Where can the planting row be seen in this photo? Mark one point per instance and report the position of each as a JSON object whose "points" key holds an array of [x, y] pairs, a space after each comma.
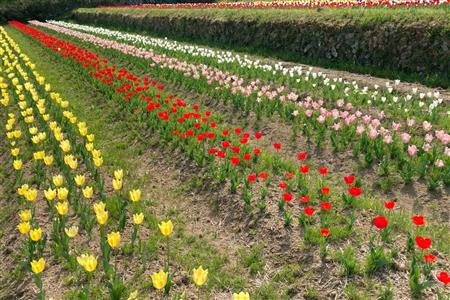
{"points": [[325, 213], [408, 150], [64, 208]]}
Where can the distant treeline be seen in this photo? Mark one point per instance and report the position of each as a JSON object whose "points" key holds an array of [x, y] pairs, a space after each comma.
{"points": [[44, 9]]}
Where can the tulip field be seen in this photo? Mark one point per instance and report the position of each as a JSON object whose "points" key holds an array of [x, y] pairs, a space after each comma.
{"points": [[136, 166]]}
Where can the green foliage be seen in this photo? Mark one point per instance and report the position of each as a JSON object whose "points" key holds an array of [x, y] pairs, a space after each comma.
{"points": [[347, 259], [253, 258]]}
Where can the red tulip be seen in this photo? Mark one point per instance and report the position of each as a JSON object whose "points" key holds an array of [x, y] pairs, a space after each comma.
{"points": [[289, 175], [226, 144], [302, 156], [212, 124], [429, 258], [325, 190], [287, 197], [423, 243], [237, 131], [235, 149], [304, 169], [354, 191], [277, 146], [443, 277], [221, 154], [235, 160], [323, 171], [309, 210], [251, 177], [247, 156], [325, 232], [243, 141], [263, 175], [349, 179], [389, 204], [304, 199], [380, 222], [258, 135], [418, 220], [282, 185], [225, 132], [212, 151], [325, 206], [256, 151]]}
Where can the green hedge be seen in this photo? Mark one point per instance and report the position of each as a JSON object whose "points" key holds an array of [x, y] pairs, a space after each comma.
{"points": [[414, 42]]}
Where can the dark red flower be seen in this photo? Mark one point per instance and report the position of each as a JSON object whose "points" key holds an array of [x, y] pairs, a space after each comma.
{"points": [[235, 160], [277, 146], [323, 171], [237, 131], [304, 169], [418, 220], [263, 175], [235, 149], [443, 277], [251, 177], [349, 179], [247, 156], [282, 185], [325, 232], [244, 141], [287, 197], [212, 151], [289, 175], [304, 199], [197, 125], [325, 206], [429, 258], [225, 132], [380, 222], [221, 154], [256, 151], [354, 191], [389, 204], [258, 135], [226, 144], [308, 210], [325, 190], [302, 156], [423, 243]]}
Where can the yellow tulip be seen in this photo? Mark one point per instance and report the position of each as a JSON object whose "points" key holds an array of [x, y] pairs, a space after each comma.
{"points": [[102, 217], [35, 234], [83, 131], [62, 193], [200, 276], [133, 295], [25, 215], [80, 180], [88, 262], [28, 120], [166, 228], [33, 130], [39, 155], [38, 266], [10, 134], [71, 231], [46, 117], [65, 145], [89, 147], [17, 164], [23, 189], [138, 218], [88, 192], [114, 239], [42, 136], [90, 137], [35, 139], [99, 207], [241, 296], [96, 153], [73, 164], [24, 227], [62, 208], [17, 134], [98, 161], [50, 194], [48, 160], [58, 180], [117, 184], [159, 279], [15, 151], [31, 194], [135, 195], [118, 174]]}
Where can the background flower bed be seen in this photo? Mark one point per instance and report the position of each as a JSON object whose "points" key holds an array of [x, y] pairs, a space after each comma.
{"points": [[409, 43]]}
